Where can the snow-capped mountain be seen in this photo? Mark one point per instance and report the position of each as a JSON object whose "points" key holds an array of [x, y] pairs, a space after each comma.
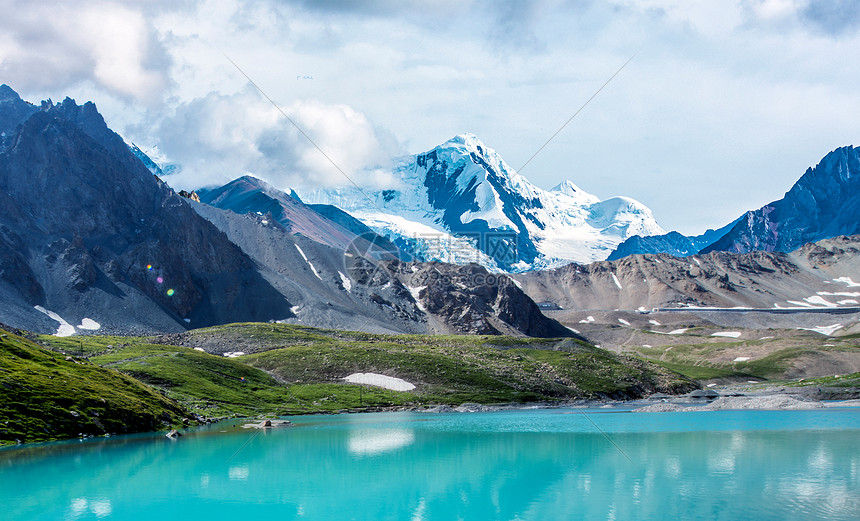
{"points": [[460, 202], [153, 160]]}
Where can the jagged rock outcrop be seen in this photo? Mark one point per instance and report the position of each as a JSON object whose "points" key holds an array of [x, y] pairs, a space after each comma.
{"points": [[190, 195], [472, 300]]}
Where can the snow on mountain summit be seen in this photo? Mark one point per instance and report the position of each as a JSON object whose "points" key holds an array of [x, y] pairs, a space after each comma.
{"points": [[463, 192]]}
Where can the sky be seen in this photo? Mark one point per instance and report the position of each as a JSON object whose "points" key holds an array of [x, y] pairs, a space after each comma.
{"points": [[722, 107]]}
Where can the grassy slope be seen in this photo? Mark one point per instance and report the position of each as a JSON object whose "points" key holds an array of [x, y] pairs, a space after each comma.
{"points": [[294, 369], [697, 361], [44, 396]]}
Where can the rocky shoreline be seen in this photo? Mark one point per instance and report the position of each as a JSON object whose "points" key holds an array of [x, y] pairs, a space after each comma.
{"points": [[753, 402], [780, 398]]}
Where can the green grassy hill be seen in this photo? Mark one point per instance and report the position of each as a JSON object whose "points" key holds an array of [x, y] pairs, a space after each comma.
{"points": [[292, 369], [47, 396], [93, 385]]}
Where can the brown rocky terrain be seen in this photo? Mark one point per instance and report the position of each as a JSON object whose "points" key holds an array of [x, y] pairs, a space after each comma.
{"points": [[786, 315], [818, 275]]}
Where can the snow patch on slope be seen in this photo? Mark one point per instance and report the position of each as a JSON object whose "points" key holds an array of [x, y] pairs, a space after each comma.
{"points": [[848, 281], [415, 292], [824, 330], [821, 301], [347, 284], [313, 268], [89, 324], [65, 328], [379, 380], [673, 332]]}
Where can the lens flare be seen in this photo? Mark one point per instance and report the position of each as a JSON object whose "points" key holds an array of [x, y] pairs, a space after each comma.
{"points": [[170, 292], [159, 280], [149, 267]]}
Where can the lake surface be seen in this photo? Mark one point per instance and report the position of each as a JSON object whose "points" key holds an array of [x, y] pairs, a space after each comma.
{"points": [[550, 464]]}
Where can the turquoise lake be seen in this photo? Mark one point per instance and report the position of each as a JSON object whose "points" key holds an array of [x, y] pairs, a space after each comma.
{"points": [[543, 464]]}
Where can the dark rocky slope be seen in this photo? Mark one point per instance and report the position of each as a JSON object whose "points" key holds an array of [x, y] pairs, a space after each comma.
{"points": [[354, 289], [824, 203], [88, 230]]}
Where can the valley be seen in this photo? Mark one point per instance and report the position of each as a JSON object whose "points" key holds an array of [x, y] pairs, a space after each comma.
{"points": [[245, 300], [265, 369]]}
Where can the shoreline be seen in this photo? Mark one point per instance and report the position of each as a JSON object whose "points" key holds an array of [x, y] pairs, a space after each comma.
{"points": [[713, 399], [781, 399], [730, 398]]}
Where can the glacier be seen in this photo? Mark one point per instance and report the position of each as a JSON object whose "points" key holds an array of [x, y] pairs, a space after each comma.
{"points": [[461, 202]]}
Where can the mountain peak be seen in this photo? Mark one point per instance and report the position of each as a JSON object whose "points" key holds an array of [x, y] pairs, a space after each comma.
{"points": [[13, 111], [567, 187], [468, 139], [467, 144], [7, 94], [254, 181], [465, 189]]}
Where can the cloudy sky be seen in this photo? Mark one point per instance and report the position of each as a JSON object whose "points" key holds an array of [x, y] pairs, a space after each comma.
{"points": [[723, 106]]}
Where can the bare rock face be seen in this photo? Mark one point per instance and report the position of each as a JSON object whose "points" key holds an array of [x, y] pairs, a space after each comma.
{"points": [[15, 269], [76, 258], [190, 195], [472, 300]]}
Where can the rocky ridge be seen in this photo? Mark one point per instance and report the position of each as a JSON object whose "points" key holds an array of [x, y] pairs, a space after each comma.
{"points": [[823, 203], [817, 275]]}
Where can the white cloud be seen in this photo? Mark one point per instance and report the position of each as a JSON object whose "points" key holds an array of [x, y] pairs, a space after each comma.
{"points": [[56, 45], [774, 9], [119, 40], [220, 137]]}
